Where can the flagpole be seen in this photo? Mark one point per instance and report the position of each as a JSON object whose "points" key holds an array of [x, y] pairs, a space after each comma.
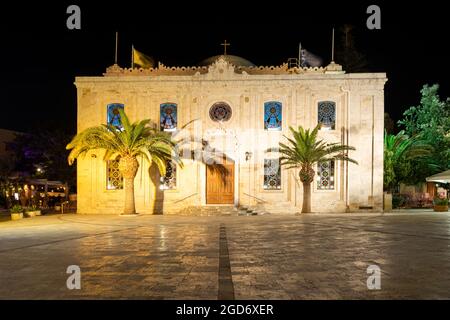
{"points": [[332, 46], [299, 54], [115, 56], [132, 56]]}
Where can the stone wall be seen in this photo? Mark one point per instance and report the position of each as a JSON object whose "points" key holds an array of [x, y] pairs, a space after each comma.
{"points": [[359, 102]]}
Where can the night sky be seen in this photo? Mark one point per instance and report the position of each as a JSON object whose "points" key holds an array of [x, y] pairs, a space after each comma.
{"points": [[41, 57]]}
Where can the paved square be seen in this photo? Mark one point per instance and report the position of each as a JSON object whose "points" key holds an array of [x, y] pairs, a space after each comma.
{"points": [[254, 257]]}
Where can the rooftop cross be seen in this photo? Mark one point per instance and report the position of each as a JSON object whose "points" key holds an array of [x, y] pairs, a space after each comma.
{"points": [[225, 44]]}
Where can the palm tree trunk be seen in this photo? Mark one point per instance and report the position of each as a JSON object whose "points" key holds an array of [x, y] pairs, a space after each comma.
{"points": [[128, 167], [130, 207], [306, 206]]}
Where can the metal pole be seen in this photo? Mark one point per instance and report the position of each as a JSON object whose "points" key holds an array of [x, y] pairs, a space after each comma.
{"points": [[115, 56], [332, 46]]}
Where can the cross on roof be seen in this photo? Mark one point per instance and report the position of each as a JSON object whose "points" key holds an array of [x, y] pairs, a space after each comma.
{"points": [[225, 44]]}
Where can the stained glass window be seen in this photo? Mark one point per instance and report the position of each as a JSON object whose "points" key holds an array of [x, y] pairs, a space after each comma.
{"points": [[272, 174], [272, 116], [168, 117], [169, 181], [325, 175], [220, 111], [113, 176], [327, 114], [113, 114]]}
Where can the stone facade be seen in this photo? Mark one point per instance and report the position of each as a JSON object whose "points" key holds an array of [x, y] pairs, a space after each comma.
{"points": [[359, 122]]}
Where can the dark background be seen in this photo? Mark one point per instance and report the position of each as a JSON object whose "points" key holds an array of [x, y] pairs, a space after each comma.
{"points": [[41, 57]]}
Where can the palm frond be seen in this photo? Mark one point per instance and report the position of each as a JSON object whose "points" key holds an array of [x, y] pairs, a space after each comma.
{"points": [[304, 149], [133, 139]]}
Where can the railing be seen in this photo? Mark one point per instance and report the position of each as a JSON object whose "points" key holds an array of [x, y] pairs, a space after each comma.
{"points": [[259, 199], [293, 63], [185, 198]]}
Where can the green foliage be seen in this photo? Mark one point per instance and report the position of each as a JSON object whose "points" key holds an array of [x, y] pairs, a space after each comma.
{"points": [[32, 208], [440, 201], [429, 122], [399, 151], [135, 139], [16, 209], [398, 200], [305, 149]]}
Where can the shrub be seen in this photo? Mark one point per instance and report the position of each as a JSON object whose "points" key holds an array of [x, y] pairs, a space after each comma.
{"points": [[398, 200], [440, 201], [16, 209], [32, 208]]}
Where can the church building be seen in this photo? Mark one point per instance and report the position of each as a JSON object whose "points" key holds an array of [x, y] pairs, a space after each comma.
{"points": [[238, 112]]}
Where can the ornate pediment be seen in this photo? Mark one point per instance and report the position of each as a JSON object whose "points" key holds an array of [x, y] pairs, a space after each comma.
{"points": [[221, 69]]}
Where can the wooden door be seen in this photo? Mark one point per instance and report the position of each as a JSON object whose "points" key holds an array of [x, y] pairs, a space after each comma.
{"points": [[220, 187]]}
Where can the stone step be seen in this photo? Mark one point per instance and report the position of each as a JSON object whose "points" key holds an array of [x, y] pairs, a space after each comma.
{"points": [[276, 209], [208, 211], [284, 208]]}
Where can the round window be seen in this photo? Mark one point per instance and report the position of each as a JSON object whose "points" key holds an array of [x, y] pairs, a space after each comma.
{"points": [[220, 111]]}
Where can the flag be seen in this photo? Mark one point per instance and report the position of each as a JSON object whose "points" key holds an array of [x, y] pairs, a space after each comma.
{"points": [[308, 59], [142, 60]]}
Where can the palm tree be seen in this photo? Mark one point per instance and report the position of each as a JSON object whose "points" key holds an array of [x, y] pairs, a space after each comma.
{"points": [[128, 142], [399, 150], [304, 151]]}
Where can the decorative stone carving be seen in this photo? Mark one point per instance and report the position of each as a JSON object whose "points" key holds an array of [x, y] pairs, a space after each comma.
{"points": [[221, 69]]}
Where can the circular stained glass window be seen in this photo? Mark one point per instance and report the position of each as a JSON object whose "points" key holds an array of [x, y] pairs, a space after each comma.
{"points": [[220, 111]]}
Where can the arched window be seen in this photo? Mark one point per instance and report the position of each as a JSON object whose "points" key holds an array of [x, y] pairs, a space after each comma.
{"points": [[114, 179], [168, 117], [220, 112], [272, 174], [325, 175], [273, 116], [327, 115], [272, 171], [113, 115], [169, 181]]}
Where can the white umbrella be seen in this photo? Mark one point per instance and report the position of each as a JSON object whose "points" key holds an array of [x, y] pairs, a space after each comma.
{"points": [[443, 177]]}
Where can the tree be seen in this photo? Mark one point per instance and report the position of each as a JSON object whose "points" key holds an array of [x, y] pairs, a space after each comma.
{"points": [[430, 122], [304, 151], [389, 124], [399, 151], [43, 154], [6, 169], [347, 54], [127, 143]]}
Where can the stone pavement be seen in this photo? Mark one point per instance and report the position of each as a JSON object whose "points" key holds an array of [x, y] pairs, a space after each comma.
{"points": [[241, 257]]}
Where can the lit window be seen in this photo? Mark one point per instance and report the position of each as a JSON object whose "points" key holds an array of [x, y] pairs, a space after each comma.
{"points": [[168, 116], [327, 115], [272, 174], [272, 116], [113, 176], [325, 175], [113, 115], [169, 181]]}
